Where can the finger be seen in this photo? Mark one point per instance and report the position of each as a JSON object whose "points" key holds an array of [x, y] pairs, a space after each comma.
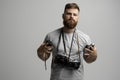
{"points": [[87, 50], [48, 51], [49, 47], [86, 54]]}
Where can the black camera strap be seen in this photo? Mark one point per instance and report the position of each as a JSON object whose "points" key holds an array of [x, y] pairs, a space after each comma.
{"points": [[70, 44], [62, 35], [59, 40]]}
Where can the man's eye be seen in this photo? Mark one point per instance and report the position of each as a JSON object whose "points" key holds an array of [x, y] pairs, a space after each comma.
{"points": [[75, 14], [68, 13]]}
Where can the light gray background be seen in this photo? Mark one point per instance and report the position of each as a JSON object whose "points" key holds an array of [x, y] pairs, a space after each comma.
{"points": [[24, 24]]}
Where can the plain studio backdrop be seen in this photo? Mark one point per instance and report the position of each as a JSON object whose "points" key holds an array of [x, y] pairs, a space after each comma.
{"points": [[24, 24]]}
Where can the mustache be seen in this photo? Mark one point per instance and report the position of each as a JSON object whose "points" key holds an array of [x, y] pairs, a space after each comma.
{"points": [[71, 19]]}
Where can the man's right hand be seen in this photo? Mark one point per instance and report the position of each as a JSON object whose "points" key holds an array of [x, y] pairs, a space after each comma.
{"points": [[44, 51]]}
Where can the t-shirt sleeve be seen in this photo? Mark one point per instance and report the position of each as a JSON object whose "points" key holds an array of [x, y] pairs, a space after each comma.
{"points": [[88, 40]]}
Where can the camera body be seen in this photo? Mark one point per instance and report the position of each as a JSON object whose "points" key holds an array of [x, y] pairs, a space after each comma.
{"points": [[63, 61], [90, 46], [49, 43]]}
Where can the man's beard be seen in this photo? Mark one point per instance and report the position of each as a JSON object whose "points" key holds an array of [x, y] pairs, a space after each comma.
{"points": [[70, 24]]}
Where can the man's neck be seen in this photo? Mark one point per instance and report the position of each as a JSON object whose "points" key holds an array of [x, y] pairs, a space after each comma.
{"points": [[67, 30]]}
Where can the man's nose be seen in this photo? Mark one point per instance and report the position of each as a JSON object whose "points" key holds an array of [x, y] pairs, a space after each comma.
{"points": [[71, 16]]}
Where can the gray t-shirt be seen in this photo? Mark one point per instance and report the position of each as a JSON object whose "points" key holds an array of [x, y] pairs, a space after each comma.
{"points": [[81, 39]]}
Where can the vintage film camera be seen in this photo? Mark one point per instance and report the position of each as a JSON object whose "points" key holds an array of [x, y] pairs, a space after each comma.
{"points": [[49, 43], [90, 46], [63, 61]]}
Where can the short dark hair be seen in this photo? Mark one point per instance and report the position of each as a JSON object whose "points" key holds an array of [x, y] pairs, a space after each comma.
{"points": [[71, 6]]}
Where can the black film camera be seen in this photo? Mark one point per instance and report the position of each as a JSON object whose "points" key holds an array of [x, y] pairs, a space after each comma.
{"points": [[63, 61], [90, 46], [49, 43]]}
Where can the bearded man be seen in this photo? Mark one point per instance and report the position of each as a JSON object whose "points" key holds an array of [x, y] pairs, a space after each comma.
{"points": [[68, 46]]}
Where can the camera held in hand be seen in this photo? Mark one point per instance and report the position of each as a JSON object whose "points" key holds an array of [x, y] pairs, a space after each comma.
{"points": [[63, 61], [49, 43], [90, 46]]}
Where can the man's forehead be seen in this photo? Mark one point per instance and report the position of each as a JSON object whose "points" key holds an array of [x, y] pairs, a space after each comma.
{"points": [[72, 10]]}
